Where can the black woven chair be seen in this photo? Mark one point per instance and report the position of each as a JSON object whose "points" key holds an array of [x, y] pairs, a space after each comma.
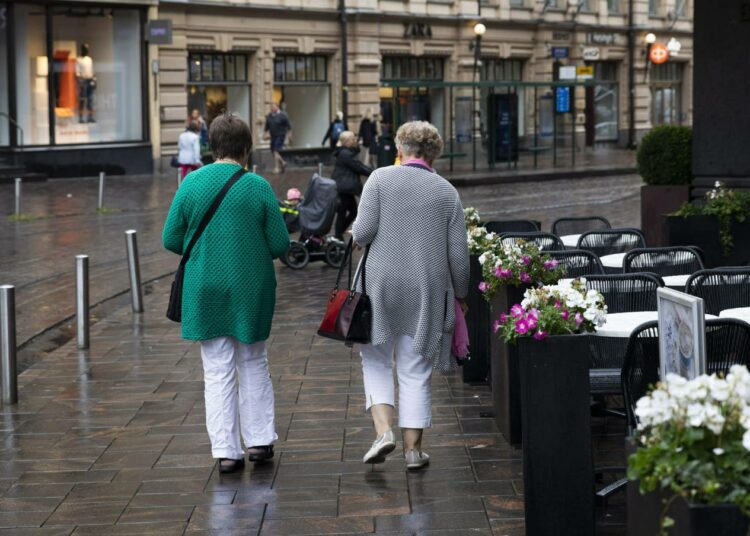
{"points": [[721, 288], [623, 293], [545, 241], [574, 226], [578, 262], [513, 226], [611, 241], [727, 344], [679, 260]]}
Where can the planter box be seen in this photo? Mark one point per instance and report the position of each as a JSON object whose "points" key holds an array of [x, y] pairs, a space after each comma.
{"points": [[657, 200], [558, 469], [689, 519], [506, 382], [703, 231], [477, 369]]}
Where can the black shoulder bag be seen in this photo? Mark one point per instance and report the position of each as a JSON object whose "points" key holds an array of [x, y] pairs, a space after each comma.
{"points": [[174, 309]]}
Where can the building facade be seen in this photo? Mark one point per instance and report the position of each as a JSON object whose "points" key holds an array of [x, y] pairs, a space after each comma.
{"points": [[404, 60]]}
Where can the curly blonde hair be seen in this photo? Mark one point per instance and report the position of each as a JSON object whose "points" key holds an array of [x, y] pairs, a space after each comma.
{"points": [[420, 139]]}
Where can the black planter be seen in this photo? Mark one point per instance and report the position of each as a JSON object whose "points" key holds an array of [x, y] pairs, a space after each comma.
{"points": [[644, 513], [477, 369], [506, 382], [657, 200], [703, 231], [558, 472]]}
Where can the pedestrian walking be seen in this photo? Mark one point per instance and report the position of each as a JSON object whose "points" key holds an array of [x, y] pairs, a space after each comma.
{"points": [[413, 221], [368, 137], [279, 129], [229, 292], [335, 129], [347, 172], [189, 149], [196, 116]]}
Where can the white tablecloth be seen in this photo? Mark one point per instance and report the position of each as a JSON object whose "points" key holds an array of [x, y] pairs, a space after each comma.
{"points": [[612, 261], [676, 281], [571, 240], [623, 324], [740, 313]]}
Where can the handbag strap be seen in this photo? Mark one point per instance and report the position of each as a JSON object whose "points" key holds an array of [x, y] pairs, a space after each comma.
{"points": [[210, 213], [348, 261]]}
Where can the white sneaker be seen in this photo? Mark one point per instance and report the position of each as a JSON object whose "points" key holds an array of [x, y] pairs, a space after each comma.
{"points": [[381, 447], [416, 459]]}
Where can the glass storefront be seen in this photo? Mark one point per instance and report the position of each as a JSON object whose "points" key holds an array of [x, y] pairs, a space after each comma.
{"points": [[86, 78], [4, 121], [666, 91], [302, 90], [219, 82], [606, 100], [501, 70]]}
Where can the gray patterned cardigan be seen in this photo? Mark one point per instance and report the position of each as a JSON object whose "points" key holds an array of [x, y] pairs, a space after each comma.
{"points": [[419, 259]]}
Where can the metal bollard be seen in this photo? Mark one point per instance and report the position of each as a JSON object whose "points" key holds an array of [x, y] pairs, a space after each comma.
{"points": [[101, 189], [179, 177], [8, 343], [18, 182], [134, 270], [82, 301], [320, 168], [255, 169]]}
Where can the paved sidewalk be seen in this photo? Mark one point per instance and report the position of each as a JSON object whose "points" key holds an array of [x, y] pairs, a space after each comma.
{"points": [[112, 441]]}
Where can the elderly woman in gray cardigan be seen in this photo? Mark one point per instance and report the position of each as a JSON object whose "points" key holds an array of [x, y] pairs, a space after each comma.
{"points": [[413, 221]]}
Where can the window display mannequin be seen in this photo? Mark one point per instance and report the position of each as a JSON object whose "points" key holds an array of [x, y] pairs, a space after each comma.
{"points": [[86, 85]]}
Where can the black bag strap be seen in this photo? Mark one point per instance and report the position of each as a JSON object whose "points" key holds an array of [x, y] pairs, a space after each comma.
{"points": [[210, 213], [347, 260]]}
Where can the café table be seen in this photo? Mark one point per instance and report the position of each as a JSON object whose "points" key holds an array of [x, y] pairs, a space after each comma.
{"points": [[676, 281], [621, 325], [570, 241], [740, 313], [612, 263]]}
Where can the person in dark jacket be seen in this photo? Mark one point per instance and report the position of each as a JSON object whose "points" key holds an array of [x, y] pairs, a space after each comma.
{"points": [[347, 173], [333, 134], [368, 137]]}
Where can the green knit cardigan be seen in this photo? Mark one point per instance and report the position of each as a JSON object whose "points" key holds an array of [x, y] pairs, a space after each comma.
{"points": [[230, 283]]}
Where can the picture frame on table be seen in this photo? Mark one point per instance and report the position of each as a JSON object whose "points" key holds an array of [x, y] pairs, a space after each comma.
{"points": [[682, 334]]}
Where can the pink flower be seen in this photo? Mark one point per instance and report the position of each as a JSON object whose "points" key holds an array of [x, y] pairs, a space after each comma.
{"points": [[495, 326], [522, 327], [526, 260], [579, 319], [534, 312], [525, 278], [484, 286], [540, 335], [565, 314], [503, 318], [551, 264], [557, 304], [516, 311], [504, 273], [531, 321]]}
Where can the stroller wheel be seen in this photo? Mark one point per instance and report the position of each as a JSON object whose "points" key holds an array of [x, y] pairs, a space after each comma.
{"points": [[297, 256], [335, 252]]}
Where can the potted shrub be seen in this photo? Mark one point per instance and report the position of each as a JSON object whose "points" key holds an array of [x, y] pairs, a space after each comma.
{"points": [[693, 455], [549, 328], [507, 271], [664, 160], [719, 226]]}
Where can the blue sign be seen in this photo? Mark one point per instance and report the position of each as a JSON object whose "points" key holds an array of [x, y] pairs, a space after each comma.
{"points": [[562, 100], [560, 53]]}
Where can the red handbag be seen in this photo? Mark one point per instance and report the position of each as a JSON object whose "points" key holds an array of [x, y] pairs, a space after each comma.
{"points": [[348, 315]]}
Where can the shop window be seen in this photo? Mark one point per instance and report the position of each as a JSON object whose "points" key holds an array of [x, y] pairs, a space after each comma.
{"points": [[666, 91], [613, 6], [411, 68], [300, 68], [4, 122], [606, 101], [96, 69], [218, 82], [517, 3], [502, 70], [653, 7], [212, 67], [32, 97], [680, 8]]}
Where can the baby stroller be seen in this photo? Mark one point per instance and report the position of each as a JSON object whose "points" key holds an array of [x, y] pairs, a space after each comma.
{"points": [[316, 212]]}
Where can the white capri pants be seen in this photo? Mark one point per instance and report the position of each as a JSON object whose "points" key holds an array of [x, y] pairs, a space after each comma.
{"points": [[225, 360], [414, 374]]}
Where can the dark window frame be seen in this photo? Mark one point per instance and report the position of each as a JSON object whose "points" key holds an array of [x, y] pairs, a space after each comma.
{"points": [[300, 69], [208, 60], [400, 68]]}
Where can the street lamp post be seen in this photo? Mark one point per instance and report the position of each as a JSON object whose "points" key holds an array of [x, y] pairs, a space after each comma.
{"points": [[649, 39], [479, 31]]}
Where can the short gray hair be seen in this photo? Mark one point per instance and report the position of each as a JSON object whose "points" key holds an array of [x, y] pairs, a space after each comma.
{"points": [[420, 139]]}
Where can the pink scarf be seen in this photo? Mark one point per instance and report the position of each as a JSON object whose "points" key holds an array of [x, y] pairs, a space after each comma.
{"points": [[460, 344], [419, 162]]}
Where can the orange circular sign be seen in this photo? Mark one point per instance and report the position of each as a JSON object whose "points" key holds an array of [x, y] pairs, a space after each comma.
{"points": [[658, 53]]}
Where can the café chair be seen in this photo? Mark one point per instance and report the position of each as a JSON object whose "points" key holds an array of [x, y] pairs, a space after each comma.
{"points": [[545, 241], [512, 226], [579, 225]]}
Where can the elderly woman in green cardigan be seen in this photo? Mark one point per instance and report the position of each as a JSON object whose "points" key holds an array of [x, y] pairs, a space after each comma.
{"points": [[229, 292]]}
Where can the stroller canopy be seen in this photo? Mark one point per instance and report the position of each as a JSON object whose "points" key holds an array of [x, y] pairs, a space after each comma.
{"points": [[318, 208]]}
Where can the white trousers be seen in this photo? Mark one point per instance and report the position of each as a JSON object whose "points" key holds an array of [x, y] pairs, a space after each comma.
{"points": [[225, 360], [414, 374]]}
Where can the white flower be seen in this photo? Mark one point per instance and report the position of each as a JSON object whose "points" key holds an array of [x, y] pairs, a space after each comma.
{"points": [[718, 451], [718, 388], [483, 258], [746, 440]]}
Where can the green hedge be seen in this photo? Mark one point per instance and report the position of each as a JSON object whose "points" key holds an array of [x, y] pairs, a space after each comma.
{"points": [[665, 156]]}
